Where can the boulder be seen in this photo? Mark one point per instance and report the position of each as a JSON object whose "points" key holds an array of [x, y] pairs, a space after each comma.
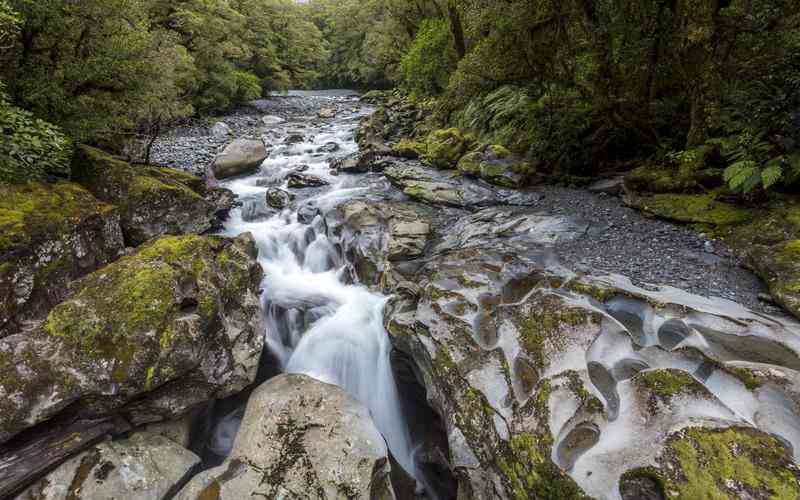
{"points": [[242, 156], [153, 201], [145, 466], [444, 148], [278, 198], [439, 188], [149, 338], [272, 120], [50, 235], [221, 130], [327, 113], [300, 438], [377, 235], [298, 180], [496, 165]]}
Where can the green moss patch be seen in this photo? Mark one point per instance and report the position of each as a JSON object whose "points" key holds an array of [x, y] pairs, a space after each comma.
{"points": [[35, 211], [695, 209], [444, 148], [730, 463]]}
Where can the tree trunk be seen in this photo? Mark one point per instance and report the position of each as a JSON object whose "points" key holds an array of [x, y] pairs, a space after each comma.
{"points": [[457, 29]]}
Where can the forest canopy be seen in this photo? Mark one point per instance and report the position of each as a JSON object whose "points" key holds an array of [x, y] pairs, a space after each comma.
{"points": [[578, 85]]}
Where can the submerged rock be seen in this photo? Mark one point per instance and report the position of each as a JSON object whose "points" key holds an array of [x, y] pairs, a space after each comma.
{"points": [[300, 438], [242, 156], [153, 201], [50, 235], [143, 466], [149, 337]]}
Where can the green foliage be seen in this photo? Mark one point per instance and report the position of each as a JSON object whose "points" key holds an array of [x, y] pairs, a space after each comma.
{"points": [[10, 22], [30, 148], [430, 60], [754, 164]]}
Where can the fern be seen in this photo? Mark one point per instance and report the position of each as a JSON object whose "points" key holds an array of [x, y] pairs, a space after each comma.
{"points": [[741, 174], [772, 173]]}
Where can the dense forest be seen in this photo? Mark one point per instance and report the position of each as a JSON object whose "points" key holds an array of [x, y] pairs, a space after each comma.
{"points": [[579, 86]]}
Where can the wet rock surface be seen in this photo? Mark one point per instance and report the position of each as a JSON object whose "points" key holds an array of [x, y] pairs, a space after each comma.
{"points": [[300, 438], [147, 338], [143, 466]]}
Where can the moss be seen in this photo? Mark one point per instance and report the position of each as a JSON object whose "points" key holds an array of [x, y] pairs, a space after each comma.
{"points": [[790, 251], [32, 211], [702, 209], [542, 329], [666, 384], [722, 464], [444, 148], [658, 179], [124, 312], [409, 148]]}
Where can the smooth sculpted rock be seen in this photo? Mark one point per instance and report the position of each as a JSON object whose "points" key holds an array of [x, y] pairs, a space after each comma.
{"points": [[378, 236], [153, 201], [150, 337], [439, 188], [50, 235], [144, 466], [242, 156], [300, 439], [547, 381]]}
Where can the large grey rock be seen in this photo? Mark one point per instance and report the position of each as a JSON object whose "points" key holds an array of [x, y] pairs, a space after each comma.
{"points": [[150, 337], [145, 466], [378, 235], [52, 234], [153, 201], [242, 156], [300, 438]]}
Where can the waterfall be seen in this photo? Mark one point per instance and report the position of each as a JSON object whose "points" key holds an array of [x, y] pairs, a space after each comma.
{"points": [[317, 323]]}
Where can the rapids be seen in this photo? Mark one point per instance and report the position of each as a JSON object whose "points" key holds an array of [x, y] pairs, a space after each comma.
{"points": [[318, 323]]}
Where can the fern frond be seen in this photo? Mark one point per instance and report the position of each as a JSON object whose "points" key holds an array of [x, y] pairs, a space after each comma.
{"points": [[740, 174], [772, 174]]}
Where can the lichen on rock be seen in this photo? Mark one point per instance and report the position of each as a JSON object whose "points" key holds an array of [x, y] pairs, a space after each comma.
{"points": [[183, 310]]}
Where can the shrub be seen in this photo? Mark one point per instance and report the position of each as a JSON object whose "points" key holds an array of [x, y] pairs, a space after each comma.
{"points": [[248, 86], [30, 148], [430, 60]]}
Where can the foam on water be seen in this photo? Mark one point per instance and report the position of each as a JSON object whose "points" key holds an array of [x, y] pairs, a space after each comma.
{"points": [[317, 323]]}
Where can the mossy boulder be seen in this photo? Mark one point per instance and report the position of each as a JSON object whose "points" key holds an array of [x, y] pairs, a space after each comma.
{"points": [[409, 149], [153, 201], [444, 148], [702, 209], [300, 438], [50, 235], [151, 336], [667, 179], [496, 165], [718, 464]]}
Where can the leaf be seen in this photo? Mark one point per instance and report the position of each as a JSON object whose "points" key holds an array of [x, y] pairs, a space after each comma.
{"points": [[738, 174], [771, 174]]}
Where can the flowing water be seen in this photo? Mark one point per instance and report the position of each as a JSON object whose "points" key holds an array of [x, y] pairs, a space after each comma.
{"points": [[317, 322]]}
